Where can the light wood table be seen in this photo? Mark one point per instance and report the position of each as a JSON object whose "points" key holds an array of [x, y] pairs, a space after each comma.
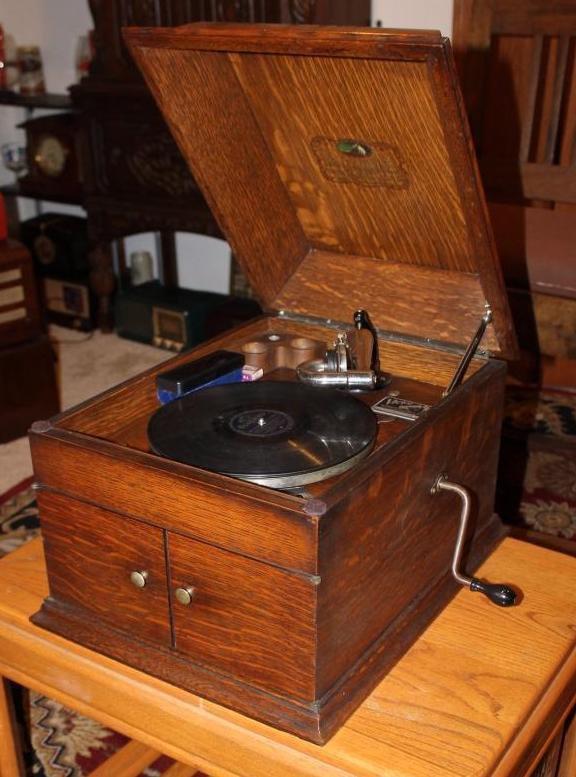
{"points": [[483, 692]]}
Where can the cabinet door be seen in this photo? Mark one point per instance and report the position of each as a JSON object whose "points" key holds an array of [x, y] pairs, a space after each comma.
{"points": [[243, 617], [91, 555]]}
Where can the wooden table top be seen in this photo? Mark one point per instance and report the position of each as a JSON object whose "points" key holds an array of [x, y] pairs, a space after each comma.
{"points": [[478, 694]]}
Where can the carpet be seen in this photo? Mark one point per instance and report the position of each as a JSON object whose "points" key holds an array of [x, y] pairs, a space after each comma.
{"points": [[537, 477], [87, 365]]}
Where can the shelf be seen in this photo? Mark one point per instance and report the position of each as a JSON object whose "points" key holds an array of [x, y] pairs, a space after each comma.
{"points": [[12, 190], [46, 100]]}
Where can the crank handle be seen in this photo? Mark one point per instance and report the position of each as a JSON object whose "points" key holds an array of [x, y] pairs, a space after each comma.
{"points": [[498, 593]]}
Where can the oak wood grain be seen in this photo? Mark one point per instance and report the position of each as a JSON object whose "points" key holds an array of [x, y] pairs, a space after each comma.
{"points": [[407, 209], [449, 303], [415, 198], [282, 535], [389, 539], [246, 618], [90, 554], [240, 166], [316, 721], [464, 695], [180, 770]]}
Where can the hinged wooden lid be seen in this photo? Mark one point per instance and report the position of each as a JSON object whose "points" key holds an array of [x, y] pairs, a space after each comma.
{"points": [[338, 163]]}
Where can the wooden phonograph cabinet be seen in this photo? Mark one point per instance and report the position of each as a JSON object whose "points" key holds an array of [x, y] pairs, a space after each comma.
{"points": [[339, 166]]}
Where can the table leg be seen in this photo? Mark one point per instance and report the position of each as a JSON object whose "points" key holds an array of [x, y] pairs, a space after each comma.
{"points": [[11, 763], [567, 766]]}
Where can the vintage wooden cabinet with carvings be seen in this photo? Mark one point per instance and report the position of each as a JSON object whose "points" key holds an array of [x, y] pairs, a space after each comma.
{"points": [[339, 166]]}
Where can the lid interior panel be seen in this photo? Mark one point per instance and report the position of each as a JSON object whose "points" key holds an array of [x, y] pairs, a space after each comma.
{"points": [[401, 202], [344, 164]]}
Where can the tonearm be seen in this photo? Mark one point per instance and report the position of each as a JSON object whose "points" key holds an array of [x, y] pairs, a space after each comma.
{"points": [[353, 362]]}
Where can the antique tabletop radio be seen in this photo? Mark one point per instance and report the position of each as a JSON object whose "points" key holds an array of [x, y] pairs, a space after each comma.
{"points": [[276, 545]]}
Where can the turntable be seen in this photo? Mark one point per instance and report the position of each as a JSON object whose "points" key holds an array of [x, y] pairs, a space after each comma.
{"points": [[277, 545]]}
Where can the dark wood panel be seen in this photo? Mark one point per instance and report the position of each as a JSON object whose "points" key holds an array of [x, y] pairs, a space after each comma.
{"points": [[394, 516], [246, 619], [537, 247], [476, 19], [316, 722], [300, 719], [257, 527], [90, 554], [18, 292], [517, 64], [530, 180], [28, 386], [352, 41]]}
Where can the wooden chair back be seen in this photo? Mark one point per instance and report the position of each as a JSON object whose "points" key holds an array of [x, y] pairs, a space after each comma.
{"points": [[517, 65]]}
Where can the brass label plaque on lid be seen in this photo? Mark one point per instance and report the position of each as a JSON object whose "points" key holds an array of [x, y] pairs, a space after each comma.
{"points": [[359, 161]]}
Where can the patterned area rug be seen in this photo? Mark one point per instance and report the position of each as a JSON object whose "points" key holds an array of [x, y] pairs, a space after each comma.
{"points": [[537, 482]]}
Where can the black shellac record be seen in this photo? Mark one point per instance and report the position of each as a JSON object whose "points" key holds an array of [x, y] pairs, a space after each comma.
{"points": [[278, 434]]}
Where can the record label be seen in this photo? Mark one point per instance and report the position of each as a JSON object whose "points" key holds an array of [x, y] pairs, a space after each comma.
{"points": [[261, 422]]}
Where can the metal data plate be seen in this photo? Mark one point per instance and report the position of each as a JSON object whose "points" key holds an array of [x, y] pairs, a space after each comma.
{"points": [[397, 407]]}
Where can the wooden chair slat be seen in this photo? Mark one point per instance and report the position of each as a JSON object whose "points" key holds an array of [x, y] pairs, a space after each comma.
{"points": [[557, 95], [528, 127]]}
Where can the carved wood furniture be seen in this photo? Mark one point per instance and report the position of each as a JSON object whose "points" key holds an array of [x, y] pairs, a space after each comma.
{"points": [[518, 73], [454, 704], [28, 388], [135, 177], [290, 606]]}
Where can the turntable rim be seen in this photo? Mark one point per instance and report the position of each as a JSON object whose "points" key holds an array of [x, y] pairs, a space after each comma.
{"points": [[304, 478], [235, 406]]}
